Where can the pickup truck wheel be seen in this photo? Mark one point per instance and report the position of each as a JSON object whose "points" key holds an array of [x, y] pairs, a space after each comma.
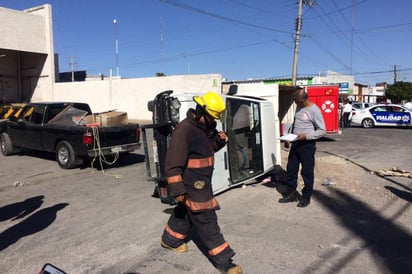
{"points": [[7, 147], [65, 155]]}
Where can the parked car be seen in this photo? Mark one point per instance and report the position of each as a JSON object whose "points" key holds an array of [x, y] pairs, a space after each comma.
{"points": [[360, 105], [355, 106], [382, 115]]}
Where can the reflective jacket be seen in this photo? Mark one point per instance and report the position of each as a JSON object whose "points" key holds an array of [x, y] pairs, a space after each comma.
{"points": [[189, 163]]}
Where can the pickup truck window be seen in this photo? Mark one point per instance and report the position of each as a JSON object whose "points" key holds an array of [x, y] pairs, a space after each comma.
{"points": [[52, 111], [26, 113], [65, 113], [37, 116], [70, 115]]}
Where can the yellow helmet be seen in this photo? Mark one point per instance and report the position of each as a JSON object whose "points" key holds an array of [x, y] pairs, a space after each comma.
{"points": [[213, 104]]}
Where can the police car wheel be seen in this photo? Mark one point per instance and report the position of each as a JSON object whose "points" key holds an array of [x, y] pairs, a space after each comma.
{"points": [[367, 123]]}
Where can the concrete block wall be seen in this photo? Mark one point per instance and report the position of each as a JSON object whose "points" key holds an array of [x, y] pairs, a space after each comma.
{"points": [[131, 95]]}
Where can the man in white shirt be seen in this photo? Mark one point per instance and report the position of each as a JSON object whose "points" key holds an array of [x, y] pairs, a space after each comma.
{"points": [[347, 109]]}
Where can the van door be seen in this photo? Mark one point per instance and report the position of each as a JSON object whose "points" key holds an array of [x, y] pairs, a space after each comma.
{"points": [[246, 155]]}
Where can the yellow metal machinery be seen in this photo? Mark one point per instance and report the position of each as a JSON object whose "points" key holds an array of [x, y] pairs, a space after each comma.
{"points": [[6, 111]]}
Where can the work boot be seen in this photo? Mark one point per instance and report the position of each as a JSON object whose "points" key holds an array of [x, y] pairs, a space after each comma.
{"points": [[304, 202], [289, 197], [230, 268], [180, 249]]}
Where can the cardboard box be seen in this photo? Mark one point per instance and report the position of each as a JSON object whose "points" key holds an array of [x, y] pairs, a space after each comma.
{"points": [[112, 118]]}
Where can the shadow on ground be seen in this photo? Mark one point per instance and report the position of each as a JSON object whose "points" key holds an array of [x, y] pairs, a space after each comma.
{"points": [[31, 225], [389, 243]]}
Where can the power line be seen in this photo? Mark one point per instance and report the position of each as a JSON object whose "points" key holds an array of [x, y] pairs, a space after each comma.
{"points": [[383, 71], [341, 34], [224, 18], [341, 9]]}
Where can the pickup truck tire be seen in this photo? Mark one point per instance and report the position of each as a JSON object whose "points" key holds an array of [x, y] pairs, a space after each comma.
{"points": [[65, 155], [6, 144]]}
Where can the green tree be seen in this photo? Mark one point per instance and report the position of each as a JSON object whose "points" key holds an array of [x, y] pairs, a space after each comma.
{"points": [[160, 74], [399, 91]]}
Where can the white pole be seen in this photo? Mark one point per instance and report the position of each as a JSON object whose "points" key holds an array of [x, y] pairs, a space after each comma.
{"points": [[116, 33]]}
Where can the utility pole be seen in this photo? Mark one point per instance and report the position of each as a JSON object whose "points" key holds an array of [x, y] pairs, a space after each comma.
{"points": [[297, 38], [395, 74], [351, 38], [298, 28]]}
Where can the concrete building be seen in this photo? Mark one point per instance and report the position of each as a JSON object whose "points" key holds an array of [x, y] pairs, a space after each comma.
{"points": [[26, 54]]}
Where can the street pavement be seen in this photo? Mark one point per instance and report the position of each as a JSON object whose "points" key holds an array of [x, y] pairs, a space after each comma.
{"points": [[93, 220]]}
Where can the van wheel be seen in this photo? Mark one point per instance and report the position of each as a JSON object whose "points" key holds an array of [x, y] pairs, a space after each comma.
{"points": [[65, 155], [368, 123], [6, 144]]}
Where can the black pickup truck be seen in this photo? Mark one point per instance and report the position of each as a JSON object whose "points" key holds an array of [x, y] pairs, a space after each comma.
{"points": [[62, 128]]}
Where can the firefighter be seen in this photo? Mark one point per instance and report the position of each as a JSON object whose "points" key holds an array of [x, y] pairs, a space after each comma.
{"points": [[188, 169]]}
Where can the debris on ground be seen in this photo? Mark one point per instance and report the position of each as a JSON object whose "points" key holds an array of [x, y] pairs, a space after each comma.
{"points": [[395, 171]]}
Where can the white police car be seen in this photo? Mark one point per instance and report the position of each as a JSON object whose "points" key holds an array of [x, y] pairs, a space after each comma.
{"points": [[382, 115]]}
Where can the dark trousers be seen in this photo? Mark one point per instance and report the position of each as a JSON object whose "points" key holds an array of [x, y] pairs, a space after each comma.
{"points": [[301, 153], [346, 122], [206, 227]]}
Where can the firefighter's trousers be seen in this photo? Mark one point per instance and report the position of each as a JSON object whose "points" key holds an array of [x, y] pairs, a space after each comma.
{"points": [[205, 225]]}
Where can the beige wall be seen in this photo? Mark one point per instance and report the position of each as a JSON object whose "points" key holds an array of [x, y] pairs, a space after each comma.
{"points": [[131, 95], [23, 31]]}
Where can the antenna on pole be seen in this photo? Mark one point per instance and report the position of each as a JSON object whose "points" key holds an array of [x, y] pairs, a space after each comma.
{"points": [[116, 34], [72, 63], [161, 43]]}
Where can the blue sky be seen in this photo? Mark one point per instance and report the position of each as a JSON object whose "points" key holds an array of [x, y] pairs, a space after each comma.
{"points": [[239, 39]]}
